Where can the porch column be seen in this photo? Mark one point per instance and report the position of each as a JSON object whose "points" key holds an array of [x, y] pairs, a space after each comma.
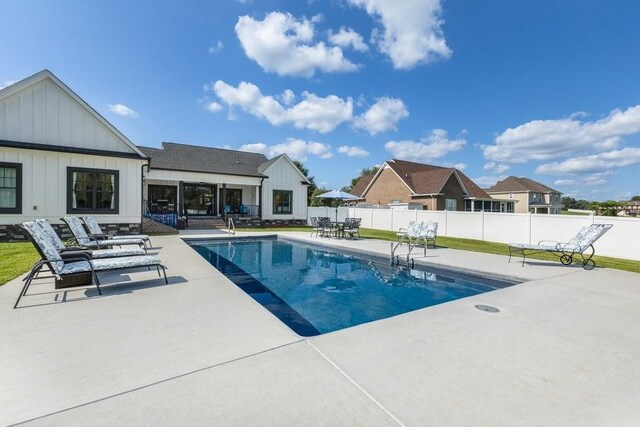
{"points": [[181, 198], [224, 201], [258, 202]]}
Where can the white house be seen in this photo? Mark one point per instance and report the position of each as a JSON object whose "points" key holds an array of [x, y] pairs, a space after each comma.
{"points": [[59, 157], [205, 182]]}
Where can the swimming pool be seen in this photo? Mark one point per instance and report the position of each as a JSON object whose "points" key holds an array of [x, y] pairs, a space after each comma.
{"points": [[315, 290]]}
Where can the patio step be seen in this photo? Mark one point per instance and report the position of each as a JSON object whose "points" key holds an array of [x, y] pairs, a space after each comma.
{"points": [[150, 225], [205, 223]]}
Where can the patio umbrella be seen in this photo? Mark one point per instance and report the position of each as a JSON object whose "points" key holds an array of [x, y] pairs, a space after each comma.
{"points": [[338, 195]]}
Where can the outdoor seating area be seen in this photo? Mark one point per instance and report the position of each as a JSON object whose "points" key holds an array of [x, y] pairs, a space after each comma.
{"points": [[581, 242], [324, 227], [419, 232], [79, 265]]}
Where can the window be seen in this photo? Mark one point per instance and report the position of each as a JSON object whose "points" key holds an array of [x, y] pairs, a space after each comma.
{"points": [[10, 188], [451, 205], [92, 191], [282, 202]]}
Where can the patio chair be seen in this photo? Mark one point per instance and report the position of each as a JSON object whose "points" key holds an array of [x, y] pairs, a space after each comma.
{"points": [[59, 267], [315, 226], [583, 240], [352, 227], [430, 231], [326, 227], [82, 238], [410, 233], [96, 231], [72, 250]]}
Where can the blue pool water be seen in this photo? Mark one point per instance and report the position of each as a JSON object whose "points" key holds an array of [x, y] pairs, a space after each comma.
{"points": [[314, 290]]}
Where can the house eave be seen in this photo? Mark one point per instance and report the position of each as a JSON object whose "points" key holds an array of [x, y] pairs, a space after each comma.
{"points": [[208, 172], [73, 150]]}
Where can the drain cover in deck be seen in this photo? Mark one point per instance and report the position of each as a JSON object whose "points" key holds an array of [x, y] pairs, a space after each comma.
{"points": [[487, 308]]}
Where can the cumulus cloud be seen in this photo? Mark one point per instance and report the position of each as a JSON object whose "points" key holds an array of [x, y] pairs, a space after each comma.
{"points": [[347, 37], [297, 149], [488, 181], [594, 163], [382, 116], [284, 45], [410, 30], [353, 151], [213, 107], [548, 139], [563, 182], [216, 48], [321, 114], [123, 110], [435, 145], [496, 167], [288, 97]]}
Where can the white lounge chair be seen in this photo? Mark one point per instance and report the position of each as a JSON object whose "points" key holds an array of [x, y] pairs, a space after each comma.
{"points": [[60, 267], [583, 240], [96, 232]]}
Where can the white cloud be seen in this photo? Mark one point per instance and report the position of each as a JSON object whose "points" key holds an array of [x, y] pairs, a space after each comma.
{"points": [[312, 112], [297, 149], [563, 182], [411, 30], [217, 48], [353, 151], [487, 181], [434, 146], [122, 110], [347, 37], [594, 163], [213, 107], [460, 166], [496, 167], [285, 45], [8, 83], [382, 116], [288, 97], [548, 139]]}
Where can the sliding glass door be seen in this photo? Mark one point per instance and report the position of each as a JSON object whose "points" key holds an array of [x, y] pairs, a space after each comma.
{"points": [[199, 199]]}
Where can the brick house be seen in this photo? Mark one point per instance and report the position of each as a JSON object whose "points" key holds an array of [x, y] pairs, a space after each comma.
{"points": [[434, 187]]}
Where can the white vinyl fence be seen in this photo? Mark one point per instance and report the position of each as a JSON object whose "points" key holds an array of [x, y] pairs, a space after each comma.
{"points": [[622, 241]]}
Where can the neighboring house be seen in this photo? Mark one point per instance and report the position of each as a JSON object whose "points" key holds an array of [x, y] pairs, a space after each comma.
{"points": [[212, 182], [434, 187], [59, 157], [529, 195]]}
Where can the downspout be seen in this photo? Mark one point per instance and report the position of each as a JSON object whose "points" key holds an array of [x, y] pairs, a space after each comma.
{"points": [[260, 198], [147, 165]]}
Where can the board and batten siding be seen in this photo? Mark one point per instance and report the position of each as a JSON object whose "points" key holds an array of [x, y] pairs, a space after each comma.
{"points": [[44, 184], [283, 176], [44, 113]]}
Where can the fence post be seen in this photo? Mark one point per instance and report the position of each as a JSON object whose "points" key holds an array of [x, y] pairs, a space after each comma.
{"points": [[529, 227], [482, 232], [446, 221], [391, 220]]}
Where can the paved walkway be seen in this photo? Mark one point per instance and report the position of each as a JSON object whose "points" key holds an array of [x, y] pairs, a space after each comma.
{"points": [[562, 351]]}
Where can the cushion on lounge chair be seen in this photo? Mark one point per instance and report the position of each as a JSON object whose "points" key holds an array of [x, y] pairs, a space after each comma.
{"points": [[44, 243], [110, 264], [94, 228], [83, 238], [115, 253]]}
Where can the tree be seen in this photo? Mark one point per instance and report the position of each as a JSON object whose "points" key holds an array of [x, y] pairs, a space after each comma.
{"points": [[310, 188], [608, 208], [365, 171], [315, 201], [635, 199]]}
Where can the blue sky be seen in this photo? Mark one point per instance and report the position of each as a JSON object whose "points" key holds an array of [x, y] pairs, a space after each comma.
{"points": [[549, 90]]}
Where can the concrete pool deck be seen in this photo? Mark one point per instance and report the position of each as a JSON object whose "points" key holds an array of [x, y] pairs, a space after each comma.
{"points": [[563, 351]]}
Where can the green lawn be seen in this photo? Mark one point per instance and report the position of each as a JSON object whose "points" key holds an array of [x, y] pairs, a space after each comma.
{"points": [[15, 259], [575, 213], [476, 246]]}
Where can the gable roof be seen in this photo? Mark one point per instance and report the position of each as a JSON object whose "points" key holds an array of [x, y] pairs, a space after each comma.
{"points": [[48, 75], [429, 179], [266, 165], [361, 185], [514, 183], [194, 158]]}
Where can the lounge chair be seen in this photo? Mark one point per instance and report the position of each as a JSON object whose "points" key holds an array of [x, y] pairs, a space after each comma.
{"points": [[411, 233], [352, 227], [60, 267], [96, 231], [82, 238], [72, 250], [402, 232], [583, 240]]}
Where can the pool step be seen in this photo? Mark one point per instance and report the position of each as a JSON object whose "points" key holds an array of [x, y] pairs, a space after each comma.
{"points": [[206, 223]]}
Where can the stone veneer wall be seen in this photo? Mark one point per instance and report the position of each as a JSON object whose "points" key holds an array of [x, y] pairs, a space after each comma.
{"points": [[13, 233]]}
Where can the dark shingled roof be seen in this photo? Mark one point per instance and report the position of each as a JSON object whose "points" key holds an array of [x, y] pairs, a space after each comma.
{"points": [[193, 158], [514, 183], [361, 184], [429, 179]]}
